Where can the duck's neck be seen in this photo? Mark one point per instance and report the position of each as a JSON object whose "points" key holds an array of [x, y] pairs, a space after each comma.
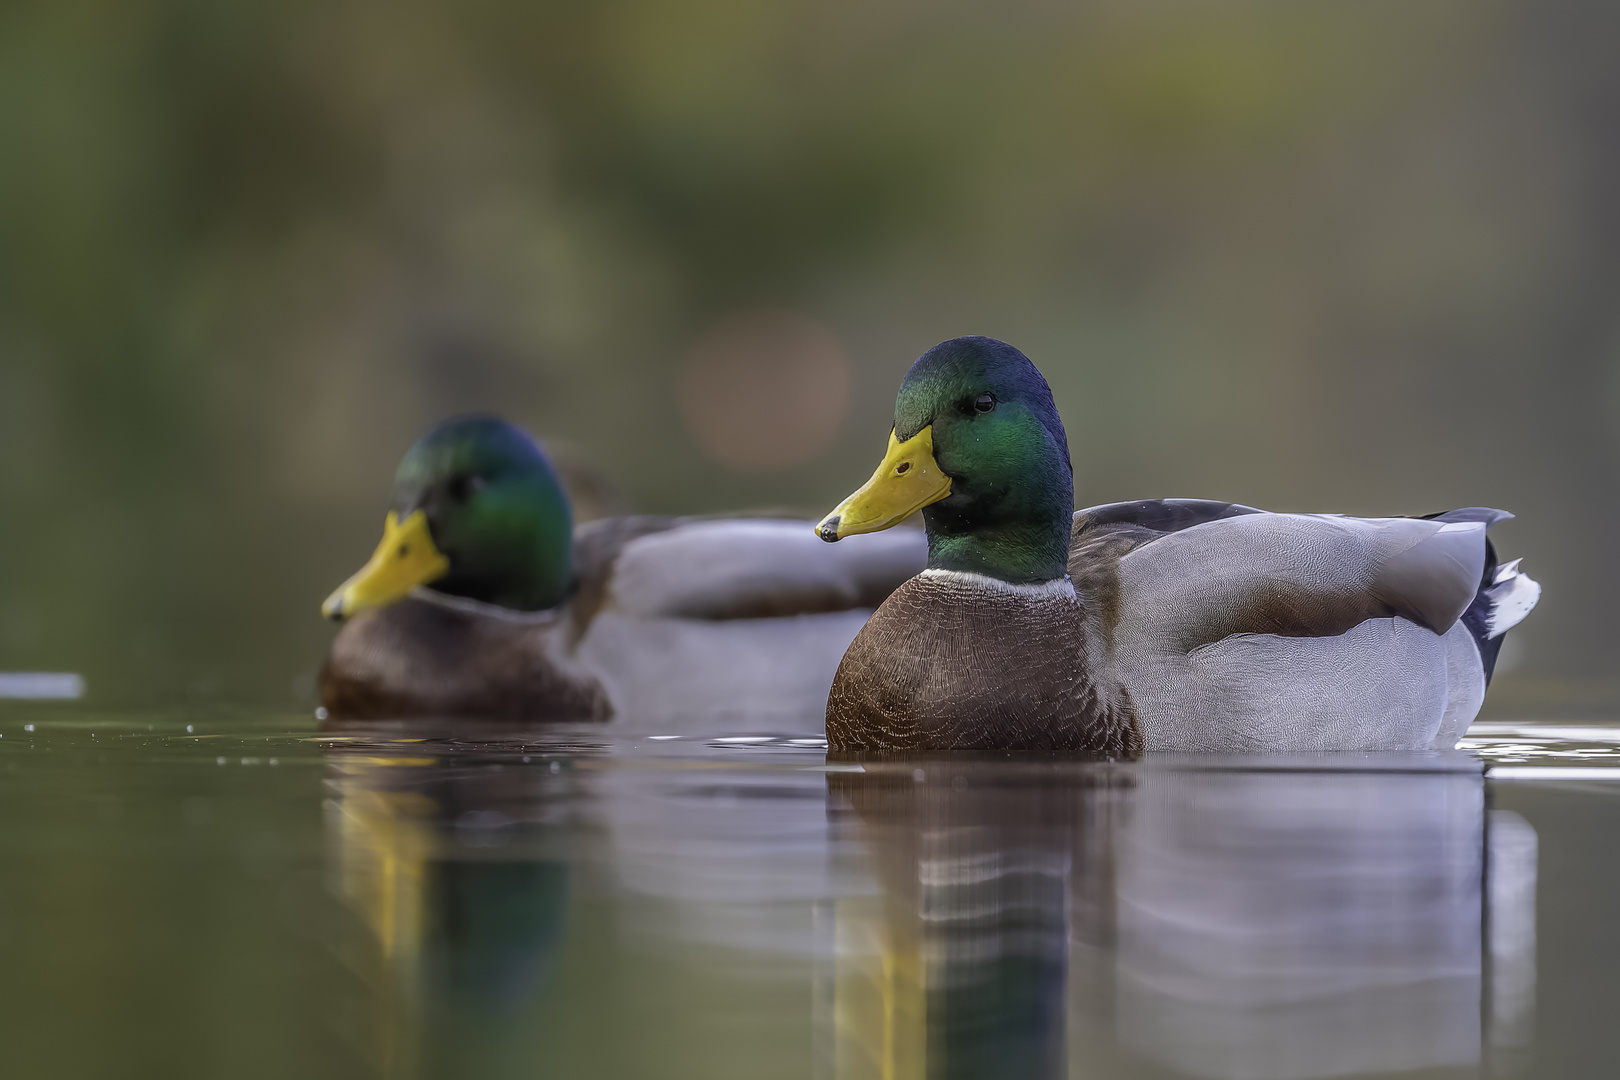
{"points": [[1023, 548], [519, 585]]}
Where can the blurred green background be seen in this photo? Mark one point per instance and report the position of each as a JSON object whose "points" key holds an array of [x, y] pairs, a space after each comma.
{"points": [[1341, 256]]}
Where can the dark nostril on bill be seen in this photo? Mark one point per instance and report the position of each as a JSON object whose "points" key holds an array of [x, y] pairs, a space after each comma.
{"points": [[902, 468], [404, 550]]}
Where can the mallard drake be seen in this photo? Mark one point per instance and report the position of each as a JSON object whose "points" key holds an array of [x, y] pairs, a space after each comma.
{"points": [[483, 600], [1168, 624]]}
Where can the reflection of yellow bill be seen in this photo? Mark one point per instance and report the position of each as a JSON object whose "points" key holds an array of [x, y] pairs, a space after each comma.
{"points": [[405, 559], [907, 480], [387, 842], [880, 992]]}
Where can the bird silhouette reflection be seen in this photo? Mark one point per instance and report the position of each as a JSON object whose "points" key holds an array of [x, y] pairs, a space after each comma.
{"points": [[1046, 920], [458, 866]]}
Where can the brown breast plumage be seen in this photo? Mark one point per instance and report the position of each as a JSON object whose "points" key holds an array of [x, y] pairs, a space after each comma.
{"points": [[958, 662], [418, 658]]}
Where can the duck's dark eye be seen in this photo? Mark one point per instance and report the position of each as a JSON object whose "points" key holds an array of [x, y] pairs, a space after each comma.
{"points": [[462, 486], [984, 403]]}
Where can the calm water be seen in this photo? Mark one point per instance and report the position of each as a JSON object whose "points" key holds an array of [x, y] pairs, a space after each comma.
{"points": [[250, 897]]}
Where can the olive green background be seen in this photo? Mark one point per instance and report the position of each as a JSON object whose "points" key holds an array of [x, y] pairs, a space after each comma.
{"points": [[1342, 256]]}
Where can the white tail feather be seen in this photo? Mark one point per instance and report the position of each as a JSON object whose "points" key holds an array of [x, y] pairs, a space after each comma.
{"points": [[1513, 594]]}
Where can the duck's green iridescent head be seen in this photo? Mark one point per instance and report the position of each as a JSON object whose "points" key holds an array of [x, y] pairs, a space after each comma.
{"points": [[979, 448], [478, 512]]}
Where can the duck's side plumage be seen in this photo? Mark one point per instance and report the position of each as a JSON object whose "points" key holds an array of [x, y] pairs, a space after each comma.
{"points": [[1235, 629]]}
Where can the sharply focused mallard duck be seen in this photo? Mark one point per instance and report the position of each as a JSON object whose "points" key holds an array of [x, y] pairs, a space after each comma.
{"points": [[483, 600], [1169, 624]]}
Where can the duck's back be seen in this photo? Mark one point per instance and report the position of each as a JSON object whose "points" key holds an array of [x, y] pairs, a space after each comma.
{"points": [[1233, 629]]}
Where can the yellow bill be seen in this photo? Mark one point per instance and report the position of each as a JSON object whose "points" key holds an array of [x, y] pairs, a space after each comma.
{"points": [[908, 480], [405, 559]]}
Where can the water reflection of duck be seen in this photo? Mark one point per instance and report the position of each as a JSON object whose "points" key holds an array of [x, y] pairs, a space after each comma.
{"points": [[1166, 624], [990, 873], [642, 617], [1241, 925], [455, 868]]}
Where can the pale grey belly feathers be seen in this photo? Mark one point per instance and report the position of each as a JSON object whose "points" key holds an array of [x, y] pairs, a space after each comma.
{"points": [[1385, 684]]}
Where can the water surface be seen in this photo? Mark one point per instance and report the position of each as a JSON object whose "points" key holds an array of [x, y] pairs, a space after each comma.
{"points": [[237, 893]]}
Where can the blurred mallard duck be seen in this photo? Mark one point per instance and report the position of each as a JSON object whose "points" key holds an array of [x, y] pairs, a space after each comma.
{"points": [[1169, 624], [483, 600]]}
